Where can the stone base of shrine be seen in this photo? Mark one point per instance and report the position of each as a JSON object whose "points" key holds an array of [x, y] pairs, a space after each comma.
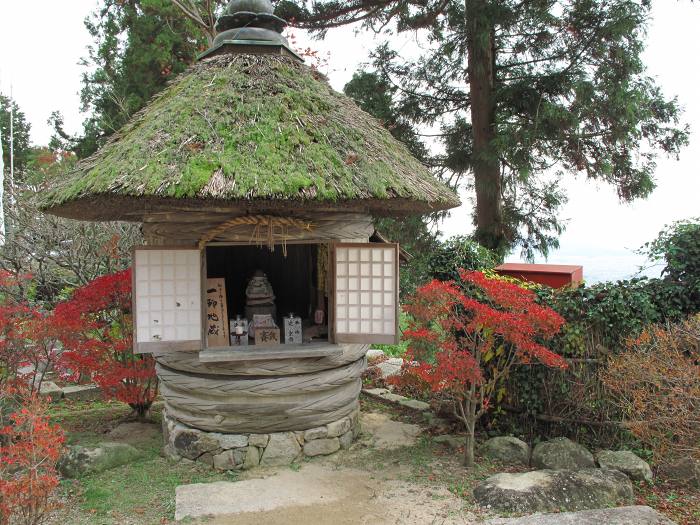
{"points": [[245, 451]]}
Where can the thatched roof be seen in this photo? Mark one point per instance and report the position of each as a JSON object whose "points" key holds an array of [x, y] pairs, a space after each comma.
{"points": [[248, 132]]}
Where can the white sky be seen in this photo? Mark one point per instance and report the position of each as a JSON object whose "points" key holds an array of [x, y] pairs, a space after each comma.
{"points": [[601, 233]]}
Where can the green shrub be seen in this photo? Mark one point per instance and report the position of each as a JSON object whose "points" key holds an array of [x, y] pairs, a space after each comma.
{"points": [[613, 311], [600, 319], [460, 252], [678, 248]]}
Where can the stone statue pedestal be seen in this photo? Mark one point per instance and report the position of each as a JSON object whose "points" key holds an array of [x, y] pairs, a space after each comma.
{"points": [[263, 309]]}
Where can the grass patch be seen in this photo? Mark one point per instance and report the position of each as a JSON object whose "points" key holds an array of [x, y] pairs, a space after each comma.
{"points": [[141, 492]]}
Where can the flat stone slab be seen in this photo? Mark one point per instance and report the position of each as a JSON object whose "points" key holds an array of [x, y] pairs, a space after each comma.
{"points": [[554, 490], [318, 494], [386, 433], [375, 392], [82, 392], [390, 367], [387, 395], [383, 393], [253, 495], [25, 370], [635, 515], [373, 353], [51, 390], [414, 404]]}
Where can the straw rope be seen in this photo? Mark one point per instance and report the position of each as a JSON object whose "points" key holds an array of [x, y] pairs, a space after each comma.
{"points": [[267, 229]]}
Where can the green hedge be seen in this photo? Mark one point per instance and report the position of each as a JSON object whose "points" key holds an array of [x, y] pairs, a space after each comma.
{"points": [[600, 318]]}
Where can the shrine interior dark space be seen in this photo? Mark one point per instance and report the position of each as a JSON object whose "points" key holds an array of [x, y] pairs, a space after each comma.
{"points": [[293, 278]]}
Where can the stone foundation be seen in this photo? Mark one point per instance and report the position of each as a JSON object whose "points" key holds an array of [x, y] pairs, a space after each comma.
{"points": [[245, 451]]}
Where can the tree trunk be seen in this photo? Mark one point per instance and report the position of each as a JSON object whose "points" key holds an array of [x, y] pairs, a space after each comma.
{"points": [[469, 448], [485, 162], [470, 424], [141, 410]]}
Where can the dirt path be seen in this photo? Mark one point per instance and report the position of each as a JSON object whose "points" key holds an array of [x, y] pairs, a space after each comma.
{"points": [[348, 488], [336, 496]]}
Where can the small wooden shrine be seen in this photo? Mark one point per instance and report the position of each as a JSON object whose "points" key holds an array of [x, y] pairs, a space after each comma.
{"points": [[258, 291]]}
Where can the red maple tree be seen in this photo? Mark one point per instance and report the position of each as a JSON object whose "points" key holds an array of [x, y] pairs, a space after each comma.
{"points": [[465, 336], [29, 336], [99, 341], [29, 450]]}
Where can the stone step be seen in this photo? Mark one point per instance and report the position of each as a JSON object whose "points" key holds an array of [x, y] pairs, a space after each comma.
{"points": [[285, 489], [634, 515], [387, 395], [82, 392]]}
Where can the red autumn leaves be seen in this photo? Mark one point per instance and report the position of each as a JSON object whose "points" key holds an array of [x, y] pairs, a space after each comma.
{"points": [[29, 449], [94, 327], [99, 341], [459, 330]]}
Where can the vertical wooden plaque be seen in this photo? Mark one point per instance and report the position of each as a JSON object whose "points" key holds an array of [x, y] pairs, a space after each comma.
{"points": [[217, 313]]}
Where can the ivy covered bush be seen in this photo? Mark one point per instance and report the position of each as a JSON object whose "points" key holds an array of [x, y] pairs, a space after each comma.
{"points": [[600, 320], [678, 248], [613, 311], [618, 310]]}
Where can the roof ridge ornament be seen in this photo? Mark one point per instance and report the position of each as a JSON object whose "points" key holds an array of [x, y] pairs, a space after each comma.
{"points": [[250, 13], [248, 23]]}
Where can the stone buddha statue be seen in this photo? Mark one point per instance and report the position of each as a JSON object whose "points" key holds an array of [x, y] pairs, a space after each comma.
{"points": [[259, 297]]}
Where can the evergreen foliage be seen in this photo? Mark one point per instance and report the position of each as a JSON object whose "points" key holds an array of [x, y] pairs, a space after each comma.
{"points": [[523, 93], [139, 45], [677, 247], [21, 128], [601, 320], [460, 252], [416, 234]]}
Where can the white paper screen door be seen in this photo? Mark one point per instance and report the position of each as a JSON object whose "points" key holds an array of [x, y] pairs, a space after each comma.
{"points": [[167, 295], [366, 293]]}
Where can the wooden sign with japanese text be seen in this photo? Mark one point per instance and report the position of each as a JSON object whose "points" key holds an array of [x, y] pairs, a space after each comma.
{"points": [[267, 336], [217, 313]]}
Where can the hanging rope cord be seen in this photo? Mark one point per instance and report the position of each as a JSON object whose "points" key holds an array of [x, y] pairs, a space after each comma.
{"points": [[268, 230]]}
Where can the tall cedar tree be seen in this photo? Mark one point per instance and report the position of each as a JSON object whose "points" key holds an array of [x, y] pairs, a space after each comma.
{"points": [[376, 95], [20, 132], [139, 45], [523, 91]]}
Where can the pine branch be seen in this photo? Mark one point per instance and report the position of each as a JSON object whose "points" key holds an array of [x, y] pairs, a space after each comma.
{"points": [[191, 11]]}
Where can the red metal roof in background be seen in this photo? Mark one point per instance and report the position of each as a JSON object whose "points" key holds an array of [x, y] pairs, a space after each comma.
{"points": [[554, 275], [553, 268]]}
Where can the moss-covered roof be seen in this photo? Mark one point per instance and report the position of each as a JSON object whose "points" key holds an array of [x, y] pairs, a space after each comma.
{"points": [[243, 129]]}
